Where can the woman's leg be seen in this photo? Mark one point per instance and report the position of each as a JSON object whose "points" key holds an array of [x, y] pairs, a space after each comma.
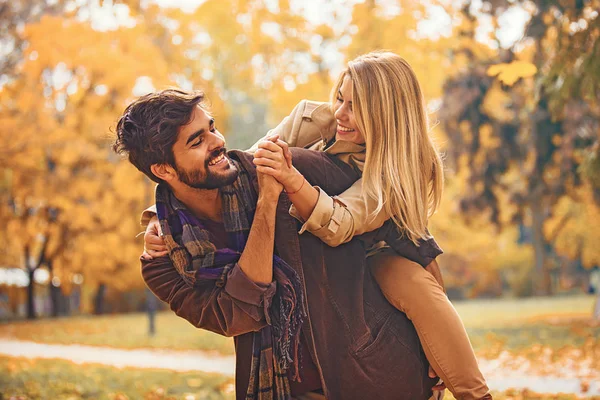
{"points": [[414, 291]]}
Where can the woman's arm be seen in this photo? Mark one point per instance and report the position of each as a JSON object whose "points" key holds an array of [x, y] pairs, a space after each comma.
{"points": [[333, 220], [336, 220]]}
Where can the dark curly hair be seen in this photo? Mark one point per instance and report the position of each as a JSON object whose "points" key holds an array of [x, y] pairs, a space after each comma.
{"points": [[148, 128]]}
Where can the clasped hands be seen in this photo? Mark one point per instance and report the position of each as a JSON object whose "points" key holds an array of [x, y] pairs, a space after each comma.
{"points": [[274, 158]]}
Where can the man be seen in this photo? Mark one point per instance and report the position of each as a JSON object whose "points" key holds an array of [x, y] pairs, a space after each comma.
{"points": [[308, 320]]}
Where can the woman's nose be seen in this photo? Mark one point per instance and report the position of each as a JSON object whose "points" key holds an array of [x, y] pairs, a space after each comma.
{"points": [[340, 113]]}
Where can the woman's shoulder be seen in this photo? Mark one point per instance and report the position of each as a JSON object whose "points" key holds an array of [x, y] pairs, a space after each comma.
{"points": [[315, 110]]}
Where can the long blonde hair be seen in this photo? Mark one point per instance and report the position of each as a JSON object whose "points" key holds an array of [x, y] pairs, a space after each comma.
{"points": [[403, 168]]}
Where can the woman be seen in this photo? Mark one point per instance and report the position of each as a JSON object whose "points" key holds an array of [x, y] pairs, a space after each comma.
{"points": [[380, 127], [377, 123]]}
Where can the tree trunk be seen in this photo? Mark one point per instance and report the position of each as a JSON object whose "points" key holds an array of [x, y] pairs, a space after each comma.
{"points": [[30, 295], [54, 293], [542, 284], [151, 305], [99, 299]]}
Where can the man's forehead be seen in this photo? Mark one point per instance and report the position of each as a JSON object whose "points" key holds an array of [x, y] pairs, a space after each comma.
{"points": [[200, 119]]}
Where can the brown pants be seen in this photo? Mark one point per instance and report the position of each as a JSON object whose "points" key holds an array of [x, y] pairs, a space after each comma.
{"points": [[415, 292]]}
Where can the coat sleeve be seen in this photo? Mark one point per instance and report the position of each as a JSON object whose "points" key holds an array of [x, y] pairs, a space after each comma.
{"points": [[336, 220], [337, 178], [237, 307], [423, 252]]}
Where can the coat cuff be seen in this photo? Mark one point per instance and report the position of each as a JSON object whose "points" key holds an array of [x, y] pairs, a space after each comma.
{"points": [[323, 215], [242, 288]]}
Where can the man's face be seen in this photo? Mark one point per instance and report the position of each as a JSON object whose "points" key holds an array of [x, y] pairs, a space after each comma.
{"points": [[200, 158]]}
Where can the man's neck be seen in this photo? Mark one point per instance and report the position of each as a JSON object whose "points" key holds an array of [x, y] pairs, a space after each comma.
{"points": [[203, 203]]}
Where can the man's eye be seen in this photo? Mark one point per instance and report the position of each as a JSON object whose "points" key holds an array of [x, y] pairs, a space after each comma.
{"points": [[198, 143], [214, 129]]}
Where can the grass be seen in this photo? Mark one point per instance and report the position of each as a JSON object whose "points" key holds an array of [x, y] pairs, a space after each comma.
{"points": [[127, 331], [518, 324], [550, 329], [22, 379], [525, 394], [495, 313]]}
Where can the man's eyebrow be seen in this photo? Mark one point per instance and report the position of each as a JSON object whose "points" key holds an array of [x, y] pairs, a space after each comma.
{"points": [[211, 125], [195, 135]]}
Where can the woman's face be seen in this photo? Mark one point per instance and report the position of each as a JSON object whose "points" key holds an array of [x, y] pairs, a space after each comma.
{"points": [[344, 116]]}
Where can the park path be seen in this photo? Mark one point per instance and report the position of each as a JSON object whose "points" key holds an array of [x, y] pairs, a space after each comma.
{"points": [[499, 376]]}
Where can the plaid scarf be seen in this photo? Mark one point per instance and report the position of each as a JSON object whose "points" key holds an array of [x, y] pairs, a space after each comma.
{"points": [[275, 347]]}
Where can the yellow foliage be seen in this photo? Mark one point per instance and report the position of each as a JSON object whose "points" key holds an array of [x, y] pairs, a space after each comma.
{"points": [[497, 104], [511, 73], [572, 227]]}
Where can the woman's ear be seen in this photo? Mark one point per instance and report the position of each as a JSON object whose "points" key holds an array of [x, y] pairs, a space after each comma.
{"points": [[163, 171]]}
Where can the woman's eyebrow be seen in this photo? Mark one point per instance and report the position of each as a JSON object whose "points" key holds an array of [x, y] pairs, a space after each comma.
{"points": [[340, 95]]}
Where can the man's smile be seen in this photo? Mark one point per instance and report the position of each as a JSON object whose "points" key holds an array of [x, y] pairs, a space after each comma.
{"points": [[218, 159]]}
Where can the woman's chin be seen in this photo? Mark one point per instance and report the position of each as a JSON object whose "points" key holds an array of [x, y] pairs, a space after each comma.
{"points": [[349, 137]]}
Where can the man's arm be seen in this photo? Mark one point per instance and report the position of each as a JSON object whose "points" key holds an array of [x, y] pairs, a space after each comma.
{"points": [[236, 308], [257, 258], [241, 304]]}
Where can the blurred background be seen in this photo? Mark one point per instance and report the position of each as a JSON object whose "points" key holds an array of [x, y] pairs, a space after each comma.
{"points": [[513, 91]]}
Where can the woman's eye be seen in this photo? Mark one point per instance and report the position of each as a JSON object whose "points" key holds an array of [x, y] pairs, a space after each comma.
{"points": [[340, 100]]}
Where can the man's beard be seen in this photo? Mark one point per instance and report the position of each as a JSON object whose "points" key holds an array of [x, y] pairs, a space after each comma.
{"points": [[208, 180]]}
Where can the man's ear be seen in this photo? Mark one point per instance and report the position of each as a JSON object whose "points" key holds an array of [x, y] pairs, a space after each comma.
{"points": [[163, 171]]}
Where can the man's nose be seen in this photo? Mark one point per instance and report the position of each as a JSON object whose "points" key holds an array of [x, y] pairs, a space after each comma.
{"points": [[216, 141]]}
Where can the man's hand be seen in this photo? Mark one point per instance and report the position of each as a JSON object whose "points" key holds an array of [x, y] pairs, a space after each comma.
{"points": [[440, 385], [154, 245], [268, 187]]}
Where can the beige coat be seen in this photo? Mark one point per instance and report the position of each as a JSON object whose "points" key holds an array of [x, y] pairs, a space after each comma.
{"points": [[335, 220]]}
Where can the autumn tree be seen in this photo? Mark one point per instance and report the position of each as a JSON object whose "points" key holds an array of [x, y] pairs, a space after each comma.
{"points": [[68, 206], [515, 141]]}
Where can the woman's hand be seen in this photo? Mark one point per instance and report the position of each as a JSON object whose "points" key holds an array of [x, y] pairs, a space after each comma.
{"points": [[274, 158], [154, 245]]}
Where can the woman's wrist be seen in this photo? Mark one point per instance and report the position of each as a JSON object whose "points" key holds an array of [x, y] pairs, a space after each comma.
{"points": [[294, 183]]}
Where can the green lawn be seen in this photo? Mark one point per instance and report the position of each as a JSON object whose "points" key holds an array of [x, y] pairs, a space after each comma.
{"points": [[23, 379], [529, 328], [553, 322], [124, 331], [518, 325]]}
